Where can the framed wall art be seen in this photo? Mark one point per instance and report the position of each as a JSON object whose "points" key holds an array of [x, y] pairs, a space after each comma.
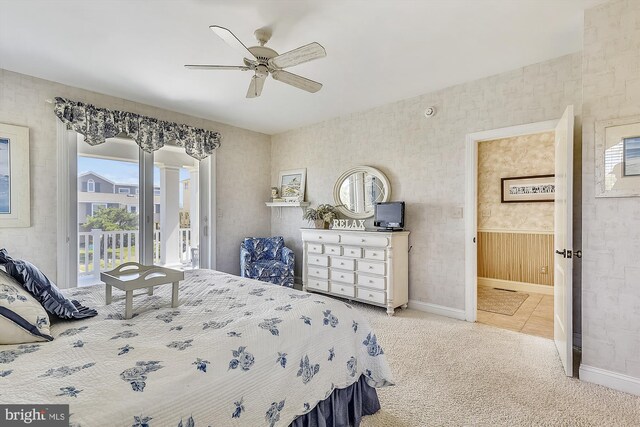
{"points": [[618, 157], [292, 184], [528, 189], [15, 198]]}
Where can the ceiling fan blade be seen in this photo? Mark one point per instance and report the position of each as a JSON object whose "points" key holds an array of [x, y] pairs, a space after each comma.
{"points": [[255, 87], [297, 81], [298, 56], [216, 67], [232, 40]]}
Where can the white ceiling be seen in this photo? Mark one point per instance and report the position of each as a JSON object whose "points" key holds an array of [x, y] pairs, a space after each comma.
{"points": [[378, 51]]}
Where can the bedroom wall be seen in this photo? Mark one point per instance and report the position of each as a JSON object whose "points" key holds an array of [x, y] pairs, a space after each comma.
{"points": [[611, 226], [243, 159], [424, 160]]}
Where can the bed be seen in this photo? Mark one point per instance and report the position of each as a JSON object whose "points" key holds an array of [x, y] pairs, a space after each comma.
{"points": [[236, 352]]}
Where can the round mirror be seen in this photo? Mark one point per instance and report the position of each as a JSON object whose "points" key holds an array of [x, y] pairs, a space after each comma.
{"points": [[359, 189]]}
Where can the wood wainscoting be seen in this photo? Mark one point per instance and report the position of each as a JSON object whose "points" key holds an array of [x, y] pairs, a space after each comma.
{"points": [[516, 257]]}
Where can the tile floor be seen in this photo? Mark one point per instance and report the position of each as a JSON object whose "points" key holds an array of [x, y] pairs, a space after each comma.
{"points": [[534, 317]]}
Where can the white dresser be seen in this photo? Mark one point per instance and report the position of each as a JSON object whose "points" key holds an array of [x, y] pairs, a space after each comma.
{"points": [[366, 266]]}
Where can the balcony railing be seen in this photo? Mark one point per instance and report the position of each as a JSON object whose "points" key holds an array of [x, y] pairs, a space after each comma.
{"points": [[100, 250]]}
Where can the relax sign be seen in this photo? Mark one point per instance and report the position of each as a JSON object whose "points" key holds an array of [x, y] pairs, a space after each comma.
{"points": [[348, 224]]}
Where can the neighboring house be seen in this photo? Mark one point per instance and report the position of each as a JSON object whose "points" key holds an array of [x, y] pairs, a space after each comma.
{"points": [[96, 191]]}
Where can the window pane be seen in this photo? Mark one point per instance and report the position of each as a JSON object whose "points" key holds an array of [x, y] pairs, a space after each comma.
{"points": [[108, 207]]}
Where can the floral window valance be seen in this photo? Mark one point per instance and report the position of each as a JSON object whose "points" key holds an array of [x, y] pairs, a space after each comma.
{"points": [[98, 124]]}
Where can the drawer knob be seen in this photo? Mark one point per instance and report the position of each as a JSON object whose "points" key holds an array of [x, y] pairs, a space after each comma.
{"points": [[370, 281], [371, 267], [319, 237], [371, 295], [364, 240]]}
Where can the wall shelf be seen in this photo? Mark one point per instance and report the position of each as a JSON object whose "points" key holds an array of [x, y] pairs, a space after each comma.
{"points": [[286, 204], [280, 205]]}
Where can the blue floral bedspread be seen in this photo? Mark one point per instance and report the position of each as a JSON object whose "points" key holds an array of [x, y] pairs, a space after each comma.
{"points": [[236, 352]]}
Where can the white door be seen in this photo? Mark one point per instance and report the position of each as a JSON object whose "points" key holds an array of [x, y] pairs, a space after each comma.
{"points": [[563, 279]]}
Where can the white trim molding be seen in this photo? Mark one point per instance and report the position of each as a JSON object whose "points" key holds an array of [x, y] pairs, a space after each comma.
{"points": [[440, 310], [471, 202], [610, 379]]}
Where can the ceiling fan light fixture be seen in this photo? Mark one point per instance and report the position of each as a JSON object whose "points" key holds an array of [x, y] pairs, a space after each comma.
{"points": [[264, 61]]}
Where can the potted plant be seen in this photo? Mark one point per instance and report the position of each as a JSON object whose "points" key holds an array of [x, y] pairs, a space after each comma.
{"points": [[321, 216]]}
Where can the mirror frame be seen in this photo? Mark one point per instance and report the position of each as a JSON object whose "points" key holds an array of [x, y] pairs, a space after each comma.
{"points": [[368, 169]]}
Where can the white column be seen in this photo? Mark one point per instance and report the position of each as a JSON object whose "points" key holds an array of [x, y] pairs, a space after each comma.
{"points": [[194, 204], [169, 215]]}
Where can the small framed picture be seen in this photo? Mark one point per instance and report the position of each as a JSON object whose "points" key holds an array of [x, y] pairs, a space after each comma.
{"points": [[528, 189], [631, 156], [292, 184], [15, 203]]}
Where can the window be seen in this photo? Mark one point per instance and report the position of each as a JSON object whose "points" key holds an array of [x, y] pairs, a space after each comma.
{"points": [[132, 208], [157, 208], [156, 191], [91, 186], [124, 190], [137, 191], [186, 185], [95, 207]]}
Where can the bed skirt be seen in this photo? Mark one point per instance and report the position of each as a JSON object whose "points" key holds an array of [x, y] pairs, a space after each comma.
{"points": [[343, 408]]}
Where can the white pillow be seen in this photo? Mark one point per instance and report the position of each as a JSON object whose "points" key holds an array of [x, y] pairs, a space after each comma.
{"points": [[22, 318]]}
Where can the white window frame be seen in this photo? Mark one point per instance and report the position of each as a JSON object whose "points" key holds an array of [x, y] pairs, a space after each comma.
{"points": [[124, 190], [67, 195], [96, 206], [93, 186]]}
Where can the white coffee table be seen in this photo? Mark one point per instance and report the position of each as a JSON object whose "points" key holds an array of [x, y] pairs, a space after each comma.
{"points": [[131, 276]]}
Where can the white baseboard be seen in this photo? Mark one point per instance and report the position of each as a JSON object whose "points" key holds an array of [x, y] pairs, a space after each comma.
{"points": [[610, 379], [515, 286], [437, 309]]}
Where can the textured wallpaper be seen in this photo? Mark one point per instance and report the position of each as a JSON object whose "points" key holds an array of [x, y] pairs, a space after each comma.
{"points": [[520, 156], [424, 159], [611, 226], [243, 159]]}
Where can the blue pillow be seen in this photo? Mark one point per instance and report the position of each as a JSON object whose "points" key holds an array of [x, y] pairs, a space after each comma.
{"points": [[43, 289]]}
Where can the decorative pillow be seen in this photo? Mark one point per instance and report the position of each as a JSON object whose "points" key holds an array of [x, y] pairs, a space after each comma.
{"points": [[22, 318], [43, 289]]}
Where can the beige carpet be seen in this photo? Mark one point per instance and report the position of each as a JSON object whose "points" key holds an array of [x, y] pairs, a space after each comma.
{"points": [[454, 373], [500, 301]]}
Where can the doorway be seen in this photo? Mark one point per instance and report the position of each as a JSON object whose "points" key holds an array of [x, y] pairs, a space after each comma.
{"points": [[515, 229], [563, 224]]}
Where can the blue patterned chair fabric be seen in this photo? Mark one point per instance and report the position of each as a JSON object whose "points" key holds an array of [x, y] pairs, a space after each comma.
{"points": [[267, 259]]}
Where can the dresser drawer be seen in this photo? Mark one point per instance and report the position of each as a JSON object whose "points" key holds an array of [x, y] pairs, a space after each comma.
{"points": [[343, 263], [318, 272], [321, 260], [333, 250], [373, 296], [319, 284], [322, 237], [377, 282], [314, 248], [371, 267], [350, 251], [344, 290], [377, 254], [361, 240], [343, 276]]}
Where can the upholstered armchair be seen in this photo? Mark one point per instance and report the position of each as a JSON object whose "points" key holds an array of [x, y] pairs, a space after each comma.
{"points": [[267, 259]]}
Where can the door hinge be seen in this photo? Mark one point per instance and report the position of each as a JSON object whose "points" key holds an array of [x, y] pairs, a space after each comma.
{"points": [[578, 254]]}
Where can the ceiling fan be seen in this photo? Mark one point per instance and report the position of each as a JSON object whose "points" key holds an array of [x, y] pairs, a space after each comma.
{"points": [[264, 61]]}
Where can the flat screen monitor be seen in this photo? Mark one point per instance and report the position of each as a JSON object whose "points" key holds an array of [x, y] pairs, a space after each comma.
{"points": [[389, 215]]}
